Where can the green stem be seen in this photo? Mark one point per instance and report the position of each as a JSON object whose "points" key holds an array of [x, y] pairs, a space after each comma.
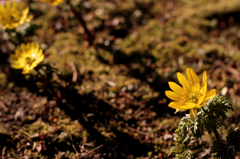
{"points": [[216, 133], [214, 129], [44, 79], [39, 73]]}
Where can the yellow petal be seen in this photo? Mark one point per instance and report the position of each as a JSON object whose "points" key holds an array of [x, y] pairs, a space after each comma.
{"points": [[200, 100], [40, 59], [172, 95], [32, 45], [210, 94], [22, 6], [1, 8], [8, 4], [204, 82], [175, 87], [40, 52], [195, 77], [193, 112], [189, 76], [199, 106], [181, 105], [37, 47], [14, 5], [180, 110], [25, 71], [17, 66], [22, 47], [182, 79], [175, 105], [189, 105], [25, 12]]}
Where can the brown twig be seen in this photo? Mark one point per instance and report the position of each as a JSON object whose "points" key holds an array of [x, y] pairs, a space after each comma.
{"points": [[73, 143], [137, 131], [79, 16], [91, 151], [82, 148], [3, 106], [110, 83], [3, 151], [73, 67]]}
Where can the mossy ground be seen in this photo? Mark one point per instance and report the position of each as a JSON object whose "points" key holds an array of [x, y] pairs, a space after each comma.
{"points": [[106, 99]]}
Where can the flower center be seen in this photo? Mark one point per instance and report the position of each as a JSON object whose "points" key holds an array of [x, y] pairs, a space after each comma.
{"points": [[193, 96], [30, 60]]}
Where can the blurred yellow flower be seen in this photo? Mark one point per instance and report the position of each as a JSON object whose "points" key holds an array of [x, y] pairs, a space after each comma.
{"points": [[191, 95], [53, 2], [12, 14], [26, 57]]}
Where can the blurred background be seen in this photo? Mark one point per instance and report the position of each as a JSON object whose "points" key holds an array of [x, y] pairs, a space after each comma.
{"points": [[99, 92]]}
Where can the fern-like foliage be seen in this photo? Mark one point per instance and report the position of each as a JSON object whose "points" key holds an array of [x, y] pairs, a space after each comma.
{"points": [[184, 139], [208, 118], [196, 126], [222, 150], [227, 149], [187, 154], [233, 140], [188, 128], [215, 111]]}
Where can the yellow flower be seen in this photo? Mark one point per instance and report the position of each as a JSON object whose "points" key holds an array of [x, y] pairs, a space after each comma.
{"points": [[26, 57], [53, 2], [191, 95], [12, 15]]}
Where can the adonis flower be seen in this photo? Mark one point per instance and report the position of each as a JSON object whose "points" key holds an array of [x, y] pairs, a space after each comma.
{"points": [[53, 2], [12, 14], [26, 57], [191, 95]]}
